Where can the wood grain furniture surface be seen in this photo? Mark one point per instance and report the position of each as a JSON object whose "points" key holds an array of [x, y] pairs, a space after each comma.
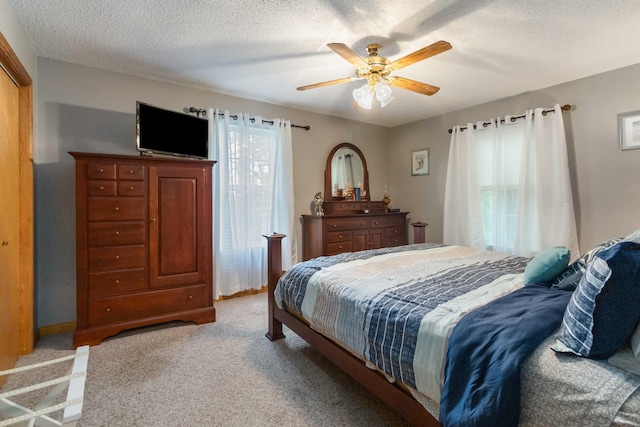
{"points": [[350, 226], [143, 243]]}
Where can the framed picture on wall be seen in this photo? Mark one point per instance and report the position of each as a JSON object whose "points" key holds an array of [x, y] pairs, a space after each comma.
{"points": [[629, 129], [420, 162]]}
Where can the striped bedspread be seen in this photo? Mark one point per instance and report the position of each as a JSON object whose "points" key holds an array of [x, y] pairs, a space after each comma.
{"points": [[395, 308]]}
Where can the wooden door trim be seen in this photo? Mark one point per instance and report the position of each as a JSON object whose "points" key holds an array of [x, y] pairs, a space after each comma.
{"points": [[14, 68]]}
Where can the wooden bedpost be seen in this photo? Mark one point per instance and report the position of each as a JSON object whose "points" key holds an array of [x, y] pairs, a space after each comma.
{"points": [[274, 271]]}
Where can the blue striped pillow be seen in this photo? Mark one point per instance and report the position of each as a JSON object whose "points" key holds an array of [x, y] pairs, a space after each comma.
{"points": [[570, 277], [605, 308]]}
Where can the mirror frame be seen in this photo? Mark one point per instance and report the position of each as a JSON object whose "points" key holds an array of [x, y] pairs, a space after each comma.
{"points": [[328, 187]]}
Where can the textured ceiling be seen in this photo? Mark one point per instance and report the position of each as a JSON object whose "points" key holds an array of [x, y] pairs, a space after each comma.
{"points": [[264, 49]]}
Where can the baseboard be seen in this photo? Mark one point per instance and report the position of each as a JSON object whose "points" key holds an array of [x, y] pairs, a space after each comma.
{"points": [[62, 328], [244, 293], [59, 328]]}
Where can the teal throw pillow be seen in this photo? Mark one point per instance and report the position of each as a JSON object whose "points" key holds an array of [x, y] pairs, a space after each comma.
{"points": [[547, 265]]}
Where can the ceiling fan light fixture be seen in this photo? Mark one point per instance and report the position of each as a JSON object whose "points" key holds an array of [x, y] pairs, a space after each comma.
{"points": [[363, 96], [383, 93], [385, 102]]}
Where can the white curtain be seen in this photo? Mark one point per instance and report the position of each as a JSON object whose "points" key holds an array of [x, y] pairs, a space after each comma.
{"points": [[252, 196], [508, 186]]}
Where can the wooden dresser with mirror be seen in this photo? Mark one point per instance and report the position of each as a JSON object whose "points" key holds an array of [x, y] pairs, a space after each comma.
{"points": [[347, 224]]}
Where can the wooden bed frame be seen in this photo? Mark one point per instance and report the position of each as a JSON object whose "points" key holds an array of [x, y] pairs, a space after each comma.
{"points": [[393, 395]]}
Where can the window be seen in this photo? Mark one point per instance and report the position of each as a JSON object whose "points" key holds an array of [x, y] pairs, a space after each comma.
{"points": [[499, 168], [508, 185], [251, 184], [252, 195]]}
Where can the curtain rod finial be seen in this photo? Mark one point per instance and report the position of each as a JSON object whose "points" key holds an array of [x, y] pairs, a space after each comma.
{"points": [[198, 111]]}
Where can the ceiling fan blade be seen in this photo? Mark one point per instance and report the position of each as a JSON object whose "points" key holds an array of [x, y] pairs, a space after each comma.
{"points": [[419, 55], [328, 83], [348, 54], [412, 85]]}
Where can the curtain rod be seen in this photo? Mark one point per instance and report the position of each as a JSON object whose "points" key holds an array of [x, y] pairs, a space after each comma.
{"points": [[202, 111], [565, 107]]}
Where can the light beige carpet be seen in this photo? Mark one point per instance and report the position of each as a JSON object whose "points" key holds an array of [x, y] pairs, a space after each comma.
{"points": [[219, 374]]}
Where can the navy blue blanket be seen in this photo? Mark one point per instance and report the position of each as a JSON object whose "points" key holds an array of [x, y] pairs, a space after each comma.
{"points": [[486, 350]]}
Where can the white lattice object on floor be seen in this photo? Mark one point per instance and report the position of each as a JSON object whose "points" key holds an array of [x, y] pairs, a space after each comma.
{"points": [[74, 383]]}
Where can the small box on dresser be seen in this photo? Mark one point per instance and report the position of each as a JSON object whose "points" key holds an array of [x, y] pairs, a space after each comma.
{"points": [[143, 243]]}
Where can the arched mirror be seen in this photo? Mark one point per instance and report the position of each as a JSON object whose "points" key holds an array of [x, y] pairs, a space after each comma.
{"points": [[345, 166]]}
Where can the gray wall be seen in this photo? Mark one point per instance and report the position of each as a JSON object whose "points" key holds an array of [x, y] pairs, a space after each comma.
{"points": [[604, 178], [87, 109], [84, 109]]}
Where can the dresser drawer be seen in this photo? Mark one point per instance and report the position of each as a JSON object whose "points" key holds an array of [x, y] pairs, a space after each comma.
{"points": [[116, 258], [394, 239], [115, 233], [131, 172], [146, 304], [117, 283], [347, 224], [338, 248], [116, 208], [393, 221], [101, 170], [131, 188], [346, 206], [378, 207], [101, 188], [394, 232], [338, 236]]}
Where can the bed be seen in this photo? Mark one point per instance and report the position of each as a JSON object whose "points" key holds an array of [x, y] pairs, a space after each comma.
{"points": [[399, 343]]}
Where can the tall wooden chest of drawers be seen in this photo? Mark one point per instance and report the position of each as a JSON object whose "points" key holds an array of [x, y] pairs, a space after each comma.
{"points": [[143, 243]]}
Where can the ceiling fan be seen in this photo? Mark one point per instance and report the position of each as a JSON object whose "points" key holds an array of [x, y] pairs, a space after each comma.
{"points": [[377, 69]]}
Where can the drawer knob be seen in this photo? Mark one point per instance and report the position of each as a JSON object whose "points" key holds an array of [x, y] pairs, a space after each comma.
{"points": [[117, 209], [101, 171], [339, 236], [117, 256], [102, 187], [190, 297], [340, 246], [334, 226], [362, 223], [131, 188], [108, 308], [117, 281], [376, 222], [117, 233], [131, 171]]}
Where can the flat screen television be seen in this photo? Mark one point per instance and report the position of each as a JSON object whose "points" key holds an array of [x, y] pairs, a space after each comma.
{"points": [[168, 132]]}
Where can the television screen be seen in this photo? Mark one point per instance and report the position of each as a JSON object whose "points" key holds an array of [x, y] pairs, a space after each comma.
{"points": [[168, 132]]}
